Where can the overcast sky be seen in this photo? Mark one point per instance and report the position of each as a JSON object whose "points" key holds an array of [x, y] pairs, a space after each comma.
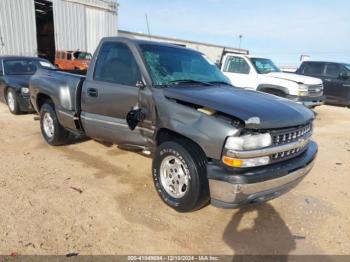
{"points": [[281, 30]]}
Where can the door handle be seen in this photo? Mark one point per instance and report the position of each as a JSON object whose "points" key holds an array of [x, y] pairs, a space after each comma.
{"points": [[92, 92]]}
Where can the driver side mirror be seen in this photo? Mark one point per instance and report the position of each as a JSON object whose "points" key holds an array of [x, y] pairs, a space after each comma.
{"points": [[344, 75]]}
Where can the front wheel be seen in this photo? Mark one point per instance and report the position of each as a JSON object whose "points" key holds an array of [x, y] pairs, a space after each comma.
{"points": [[179, 175], [51, 129], [12, 102]]}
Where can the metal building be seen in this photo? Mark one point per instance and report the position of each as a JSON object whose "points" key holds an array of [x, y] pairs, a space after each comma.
{"points": [[214, 52], [39, 27]]}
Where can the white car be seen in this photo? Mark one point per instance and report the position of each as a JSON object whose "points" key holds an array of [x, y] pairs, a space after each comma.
{"points": [[261, 74]]}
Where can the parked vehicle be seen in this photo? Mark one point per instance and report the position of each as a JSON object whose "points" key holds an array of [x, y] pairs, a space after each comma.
{"points": [[72, 60], [209, 140], [262, 74], [15, 72], [336, 79]]}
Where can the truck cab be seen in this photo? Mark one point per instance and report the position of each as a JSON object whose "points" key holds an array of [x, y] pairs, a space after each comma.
{"points": [[261, 74]]}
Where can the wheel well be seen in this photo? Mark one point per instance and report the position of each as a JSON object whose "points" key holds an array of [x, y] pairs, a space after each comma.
{"points": [[41, 99], [164, 135], [273, 91]]}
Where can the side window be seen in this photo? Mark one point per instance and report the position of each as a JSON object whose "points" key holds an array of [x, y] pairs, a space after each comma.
{"points": [[333, 70], [313, 69], [116, 64], [237, 65], [69, 56]]}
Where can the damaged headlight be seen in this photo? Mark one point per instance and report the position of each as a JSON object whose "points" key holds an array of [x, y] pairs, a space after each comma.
{"points": [[245, 143]]}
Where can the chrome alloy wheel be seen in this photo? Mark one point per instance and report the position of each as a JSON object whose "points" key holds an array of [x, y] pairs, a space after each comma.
{"points": [[174, 176], [11, 101], [48, 125]]}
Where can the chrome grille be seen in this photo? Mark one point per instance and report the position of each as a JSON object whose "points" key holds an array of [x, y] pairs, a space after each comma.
{"points": [[291, 135], [282, 137], [315, 90], [287, 154]]}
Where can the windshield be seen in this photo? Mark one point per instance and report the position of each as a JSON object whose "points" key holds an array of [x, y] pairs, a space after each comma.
{"points": [[82, 56], [347, 66], [167, 65], [264, 66], [25, 66]]}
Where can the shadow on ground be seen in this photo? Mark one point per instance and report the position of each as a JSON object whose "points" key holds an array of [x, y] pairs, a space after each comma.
{"points": [[266, 235]]}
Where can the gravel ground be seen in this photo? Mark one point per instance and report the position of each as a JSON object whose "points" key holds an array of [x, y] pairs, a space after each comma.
{"points": [[93, 199]]}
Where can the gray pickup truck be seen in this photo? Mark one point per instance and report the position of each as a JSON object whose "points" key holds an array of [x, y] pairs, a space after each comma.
{"points": [[210, 141]]}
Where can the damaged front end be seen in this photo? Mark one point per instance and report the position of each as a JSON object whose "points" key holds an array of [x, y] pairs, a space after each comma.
{"points": [[247, 162]]}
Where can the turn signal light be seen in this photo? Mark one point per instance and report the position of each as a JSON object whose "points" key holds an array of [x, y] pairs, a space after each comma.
{"points": [[232, 161]]}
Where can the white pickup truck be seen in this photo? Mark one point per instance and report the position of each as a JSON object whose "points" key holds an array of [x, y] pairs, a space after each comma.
{"points": [[261, 74]]}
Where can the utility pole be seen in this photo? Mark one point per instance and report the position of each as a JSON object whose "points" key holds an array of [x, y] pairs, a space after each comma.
{"points": [[240, 41], [149, 31]]}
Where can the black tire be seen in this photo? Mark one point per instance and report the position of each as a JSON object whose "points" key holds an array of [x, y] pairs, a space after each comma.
{"points": [[59, 135], [14, 108], [192, 158]]}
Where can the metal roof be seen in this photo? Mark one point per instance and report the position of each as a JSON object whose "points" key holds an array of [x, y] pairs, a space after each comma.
{"points": [[155, 37]]}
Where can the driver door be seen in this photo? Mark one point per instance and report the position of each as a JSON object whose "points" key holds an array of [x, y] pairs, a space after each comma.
{"points": [[110, 94]]}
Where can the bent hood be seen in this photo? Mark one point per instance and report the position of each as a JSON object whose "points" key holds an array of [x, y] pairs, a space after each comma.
{"points": [[257, 110], [18, 80], [307, 80]]}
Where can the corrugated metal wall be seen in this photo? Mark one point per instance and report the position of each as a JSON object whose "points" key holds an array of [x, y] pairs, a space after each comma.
{"points": [[70, 25], [17, 28], [81, 26], [99, 23]]}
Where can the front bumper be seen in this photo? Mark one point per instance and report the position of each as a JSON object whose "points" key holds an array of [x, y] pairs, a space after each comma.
{"points": [[308, 101], [232, 189]]}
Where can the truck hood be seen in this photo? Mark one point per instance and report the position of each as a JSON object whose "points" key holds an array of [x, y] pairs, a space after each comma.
{"points": [[18, 80], [257, 110], [307, 80]]}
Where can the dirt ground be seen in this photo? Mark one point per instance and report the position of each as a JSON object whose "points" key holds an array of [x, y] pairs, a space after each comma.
{"points": [[119, 212]]}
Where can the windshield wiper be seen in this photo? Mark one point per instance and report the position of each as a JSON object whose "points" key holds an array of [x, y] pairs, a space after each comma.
{"points": [[220, 82], [189, 81]]}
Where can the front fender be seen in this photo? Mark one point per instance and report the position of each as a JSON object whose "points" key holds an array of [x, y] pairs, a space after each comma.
{"points": [[207, 131]]}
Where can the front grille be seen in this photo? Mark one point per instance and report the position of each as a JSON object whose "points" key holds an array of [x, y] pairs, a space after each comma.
{"points": [[288, 154], [281, 137], [315, 90], [287, 136]]}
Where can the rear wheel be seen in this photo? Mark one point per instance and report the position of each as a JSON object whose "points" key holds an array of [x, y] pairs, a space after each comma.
{"points": [[12, 102], [179, 175], [52, 131]]}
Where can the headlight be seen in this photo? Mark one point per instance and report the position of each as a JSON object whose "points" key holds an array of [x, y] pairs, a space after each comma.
{"points": [[246, 142], [24, 90], [303, 90]]}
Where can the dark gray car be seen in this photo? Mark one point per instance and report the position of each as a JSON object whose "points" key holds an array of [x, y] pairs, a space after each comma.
{"points": [[210, 141], [15, 73]]}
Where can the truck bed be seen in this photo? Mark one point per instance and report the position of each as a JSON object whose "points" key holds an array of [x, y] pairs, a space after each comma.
{"points": [[64, 89]]}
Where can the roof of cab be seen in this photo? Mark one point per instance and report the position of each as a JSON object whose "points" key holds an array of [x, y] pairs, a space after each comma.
{"points": [[143, 42]]}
